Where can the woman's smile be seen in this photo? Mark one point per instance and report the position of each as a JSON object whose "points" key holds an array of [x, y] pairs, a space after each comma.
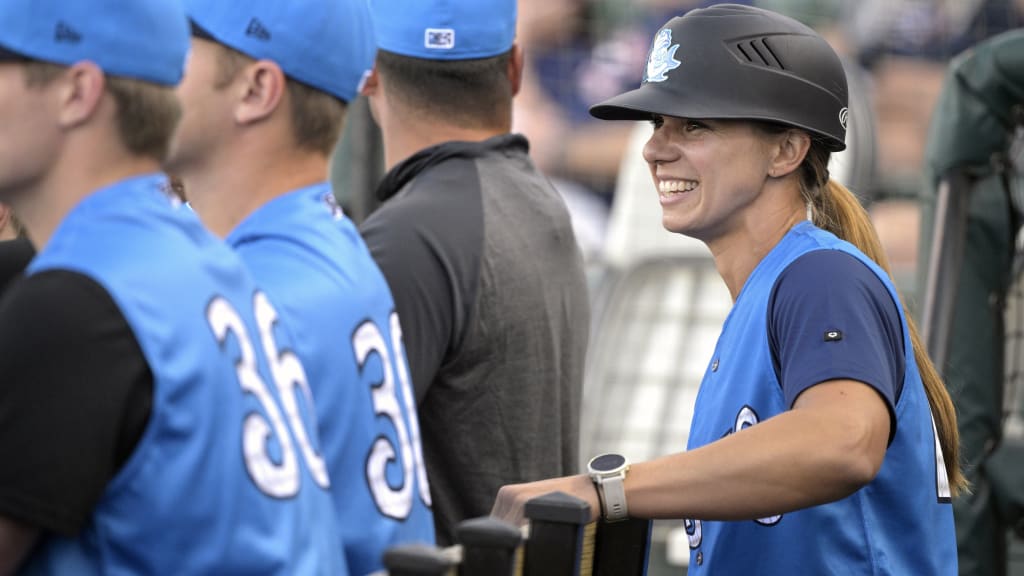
{"points": [[673, 191]]}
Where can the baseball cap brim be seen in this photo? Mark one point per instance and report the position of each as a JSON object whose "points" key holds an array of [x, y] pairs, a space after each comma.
{"points": [[9, 55], [653, 99], [200, 32], [639, 104]]}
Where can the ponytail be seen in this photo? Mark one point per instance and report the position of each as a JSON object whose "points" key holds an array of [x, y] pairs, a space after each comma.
{"points": [[838, 211]]}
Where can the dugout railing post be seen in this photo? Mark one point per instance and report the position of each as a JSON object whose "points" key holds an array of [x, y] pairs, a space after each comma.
{"points": [[489, 547], [561, 541], [622, 548], [560, 530]]}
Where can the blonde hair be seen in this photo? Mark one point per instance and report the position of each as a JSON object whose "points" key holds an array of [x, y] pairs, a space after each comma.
{"points": [[147, 113], [838, 211], [317, 117]]}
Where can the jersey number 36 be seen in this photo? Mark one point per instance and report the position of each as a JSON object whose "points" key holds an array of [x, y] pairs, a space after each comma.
{"points": [[279, 479]]}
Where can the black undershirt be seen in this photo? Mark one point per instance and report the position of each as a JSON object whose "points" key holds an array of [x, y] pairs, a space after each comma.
{"points": [[75, 397], [14, 257]]}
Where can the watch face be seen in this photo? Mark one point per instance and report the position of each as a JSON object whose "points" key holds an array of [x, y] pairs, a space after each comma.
{"points": [[607, 462]]}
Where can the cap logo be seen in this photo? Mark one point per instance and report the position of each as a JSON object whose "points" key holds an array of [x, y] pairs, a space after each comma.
{"points": [[662, 59], [65, 33], [844, 115], [439, 38], [257, 30]]}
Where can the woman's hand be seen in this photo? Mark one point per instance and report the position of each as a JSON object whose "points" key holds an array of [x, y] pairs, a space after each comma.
{"points": [[512, 499]]}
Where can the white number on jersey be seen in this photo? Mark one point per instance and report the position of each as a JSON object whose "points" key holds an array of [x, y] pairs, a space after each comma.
{"points": [[694, 532], [279, 480], [393, 502], [941, 478], [410, 408], [745, 419]]}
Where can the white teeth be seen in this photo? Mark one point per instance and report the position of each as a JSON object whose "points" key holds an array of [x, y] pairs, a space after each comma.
{"points": [[675, 186]]}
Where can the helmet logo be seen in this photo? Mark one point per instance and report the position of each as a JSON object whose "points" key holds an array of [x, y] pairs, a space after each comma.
{"points": [[662, 58], [844, 116]]}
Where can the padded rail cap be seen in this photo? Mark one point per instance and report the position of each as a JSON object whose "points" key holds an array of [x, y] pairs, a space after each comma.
{"points": [[558, 507]]}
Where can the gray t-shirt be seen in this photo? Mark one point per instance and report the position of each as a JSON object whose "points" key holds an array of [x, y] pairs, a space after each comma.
{"points": [[489, 285]]}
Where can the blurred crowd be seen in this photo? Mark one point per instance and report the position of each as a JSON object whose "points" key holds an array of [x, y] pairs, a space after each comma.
{"points": [[582, 51]]}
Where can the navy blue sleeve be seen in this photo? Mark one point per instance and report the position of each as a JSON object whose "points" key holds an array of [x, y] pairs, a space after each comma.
{"points": [[830, 317]]}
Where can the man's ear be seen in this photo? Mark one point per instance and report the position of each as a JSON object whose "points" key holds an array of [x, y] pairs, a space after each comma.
{"points": [[371, 89], [791, 150], [262, 85], [371, 84], [515, 68], [81, 89]]}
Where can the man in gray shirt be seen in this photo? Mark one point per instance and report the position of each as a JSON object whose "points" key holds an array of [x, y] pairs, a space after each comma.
{"points": [[479, 252]]}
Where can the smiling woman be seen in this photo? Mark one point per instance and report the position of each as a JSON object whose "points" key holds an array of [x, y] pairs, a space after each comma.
{"points": [[822, 436], [708, 171]]}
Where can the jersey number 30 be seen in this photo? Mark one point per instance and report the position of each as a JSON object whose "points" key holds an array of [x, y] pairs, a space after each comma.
{"points": [[277, 479], [393, 502]]}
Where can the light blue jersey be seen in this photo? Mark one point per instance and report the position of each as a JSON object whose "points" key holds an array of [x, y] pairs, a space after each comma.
{"points": [[901, 523], [223, 480], [317, 270]]}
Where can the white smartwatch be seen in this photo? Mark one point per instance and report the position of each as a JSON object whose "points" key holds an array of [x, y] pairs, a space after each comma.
{"points": [[608, 471]]}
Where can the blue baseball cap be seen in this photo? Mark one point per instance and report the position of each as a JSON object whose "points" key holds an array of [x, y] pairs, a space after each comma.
{"points": [[445, 29], [140, 39], [325, 44]]}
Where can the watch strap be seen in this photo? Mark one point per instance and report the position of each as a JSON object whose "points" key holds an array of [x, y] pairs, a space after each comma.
{"points": [[613, 498]]}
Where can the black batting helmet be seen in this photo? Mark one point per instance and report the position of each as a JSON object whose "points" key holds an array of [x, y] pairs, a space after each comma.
{"points": [[740, 62]]}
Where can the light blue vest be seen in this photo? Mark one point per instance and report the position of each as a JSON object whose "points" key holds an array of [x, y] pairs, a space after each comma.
{"points": [[897, 524], [319, 273], [218, 483]]}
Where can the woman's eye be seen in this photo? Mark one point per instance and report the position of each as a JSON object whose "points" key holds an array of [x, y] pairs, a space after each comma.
{"points": [[693, 125], [657, 121]]}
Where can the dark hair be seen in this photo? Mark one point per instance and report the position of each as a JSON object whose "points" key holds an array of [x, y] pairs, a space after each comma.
{"points": [[837, 210], [317, 117], [469, 93], [147, 113]]}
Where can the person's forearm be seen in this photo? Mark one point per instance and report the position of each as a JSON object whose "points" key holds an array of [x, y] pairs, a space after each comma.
{"points": [[594, 152], [831, 444], [795, 460]]}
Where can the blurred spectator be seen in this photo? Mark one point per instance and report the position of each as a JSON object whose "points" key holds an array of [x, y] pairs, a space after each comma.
{"points": [[580, 52], [566, 71], [906, 45], [561, 78], [926, 29]]}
